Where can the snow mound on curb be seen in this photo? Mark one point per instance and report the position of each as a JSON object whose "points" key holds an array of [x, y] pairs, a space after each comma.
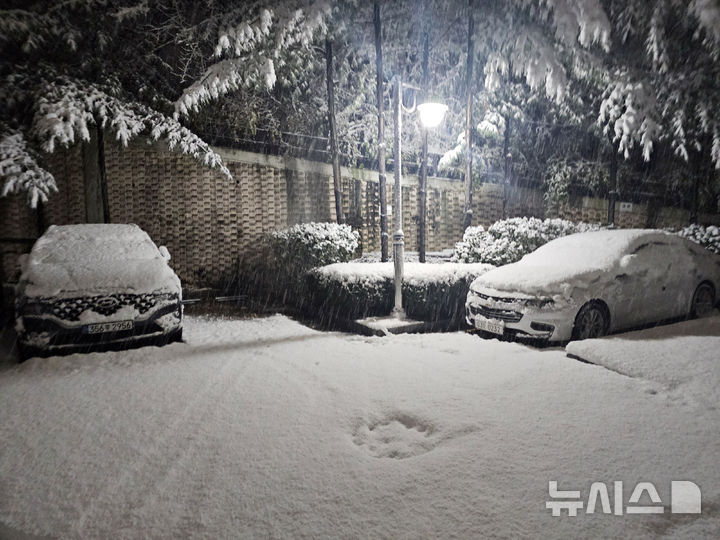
{"points": [[682, 357]]}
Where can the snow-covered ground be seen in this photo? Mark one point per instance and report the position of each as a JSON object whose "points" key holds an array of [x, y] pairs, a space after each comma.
{"points": [[265, 428], [684, 358]]}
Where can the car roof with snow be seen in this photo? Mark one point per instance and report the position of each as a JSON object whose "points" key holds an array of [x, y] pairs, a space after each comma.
{"points": [[599, 249]]}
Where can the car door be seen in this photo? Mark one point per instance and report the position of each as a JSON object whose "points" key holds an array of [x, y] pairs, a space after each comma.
{"points": [[643, 280], [682, 277]]}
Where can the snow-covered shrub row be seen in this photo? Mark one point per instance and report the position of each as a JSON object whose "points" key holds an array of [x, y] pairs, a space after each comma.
{"points": [[708, 237], [431, 292], [314, 244], [275, 275], [509, 240]]}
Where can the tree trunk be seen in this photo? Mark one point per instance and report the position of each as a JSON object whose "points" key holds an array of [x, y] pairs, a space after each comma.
{"points": [[704, 160], [467, 214], [382, 186], [508, 163], [40, 223], [102, 174], [422, 187], [612, 191], [695, 196], [337, 180]]}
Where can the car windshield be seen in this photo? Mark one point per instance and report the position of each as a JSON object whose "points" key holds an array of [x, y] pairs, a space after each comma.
{"points": [[80, 243]]}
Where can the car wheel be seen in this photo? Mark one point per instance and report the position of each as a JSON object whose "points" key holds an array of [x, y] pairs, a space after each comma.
{"points": [[703, 301], [590, 322]]}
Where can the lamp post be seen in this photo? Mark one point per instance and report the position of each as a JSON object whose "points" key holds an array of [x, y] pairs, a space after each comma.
{"points": [[431, 115]]}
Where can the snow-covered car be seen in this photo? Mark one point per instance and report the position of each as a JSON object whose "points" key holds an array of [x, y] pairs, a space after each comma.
{"points": [[94, 286], [588, 284]]}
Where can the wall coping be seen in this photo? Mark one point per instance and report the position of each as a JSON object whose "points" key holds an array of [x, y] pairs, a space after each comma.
{"points": [[230, 155]]}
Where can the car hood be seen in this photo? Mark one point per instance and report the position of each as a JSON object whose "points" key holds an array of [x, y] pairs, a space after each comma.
{"points": [[87, 278], [537, 280]]}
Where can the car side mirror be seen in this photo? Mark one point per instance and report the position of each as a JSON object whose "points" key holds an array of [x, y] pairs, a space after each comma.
{"points": [[631, 266], [164, 252], [626, 261]]}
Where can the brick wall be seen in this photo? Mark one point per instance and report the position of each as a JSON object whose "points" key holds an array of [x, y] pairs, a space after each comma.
{"points": [[208, 221]]}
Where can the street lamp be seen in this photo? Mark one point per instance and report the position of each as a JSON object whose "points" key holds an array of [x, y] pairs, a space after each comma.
{"points": [[431, 115]]}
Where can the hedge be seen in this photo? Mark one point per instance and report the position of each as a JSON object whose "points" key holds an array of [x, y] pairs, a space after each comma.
{"points": [[431, 292]]}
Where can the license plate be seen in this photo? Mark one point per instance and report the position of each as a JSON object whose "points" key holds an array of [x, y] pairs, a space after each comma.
{"points": [[490, 325], [101, 328]]}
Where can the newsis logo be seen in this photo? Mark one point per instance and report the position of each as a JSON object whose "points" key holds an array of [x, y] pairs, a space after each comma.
{"points": [[685, 498]]}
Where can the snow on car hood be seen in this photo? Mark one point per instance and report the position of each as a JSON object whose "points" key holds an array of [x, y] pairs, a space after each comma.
{"points": [[558, 267], [66, 279], [87, 259]]}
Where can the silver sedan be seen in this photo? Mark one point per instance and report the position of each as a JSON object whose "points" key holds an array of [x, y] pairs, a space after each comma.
{"points": [[589, 284]]}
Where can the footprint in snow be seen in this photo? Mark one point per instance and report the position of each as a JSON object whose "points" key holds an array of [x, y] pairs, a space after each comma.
{"points": [[396, 436]]}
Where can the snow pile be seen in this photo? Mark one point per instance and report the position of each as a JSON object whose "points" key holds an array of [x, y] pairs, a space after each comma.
{"points": [[566, 263], [506, 241], [264, 428], [71, 260], [683, 358]]}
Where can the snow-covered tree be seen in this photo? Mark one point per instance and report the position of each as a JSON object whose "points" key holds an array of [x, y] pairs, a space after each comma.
{"points": [[67, 68], [19, 167], [662, 81], [254, 40]]}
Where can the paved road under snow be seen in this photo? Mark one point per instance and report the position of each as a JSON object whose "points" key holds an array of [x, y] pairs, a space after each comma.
{"points": [[265, 428]]}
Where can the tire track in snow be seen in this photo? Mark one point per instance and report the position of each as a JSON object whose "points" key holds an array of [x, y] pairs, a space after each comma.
{"points": [[144, 470]]}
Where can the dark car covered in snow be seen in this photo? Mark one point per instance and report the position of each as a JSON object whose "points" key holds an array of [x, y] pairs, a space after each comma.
{"points": [[96, 286]]}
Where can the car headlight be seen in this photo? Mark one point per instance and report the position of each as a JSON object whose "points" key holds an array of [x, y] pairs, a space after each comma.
{"points": [[539, 302]]}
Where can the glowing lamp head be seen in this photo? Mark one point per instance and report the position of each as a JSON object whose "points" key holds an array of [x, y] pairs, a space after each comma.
{"points": [[431, 114]]}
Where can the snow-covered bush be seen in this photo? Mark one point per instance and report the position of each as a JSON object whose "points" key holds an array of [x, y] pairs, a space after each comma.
{"points": [[431, 292], [314, 244], [708, 237], [276, 273], [509, 240]]}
